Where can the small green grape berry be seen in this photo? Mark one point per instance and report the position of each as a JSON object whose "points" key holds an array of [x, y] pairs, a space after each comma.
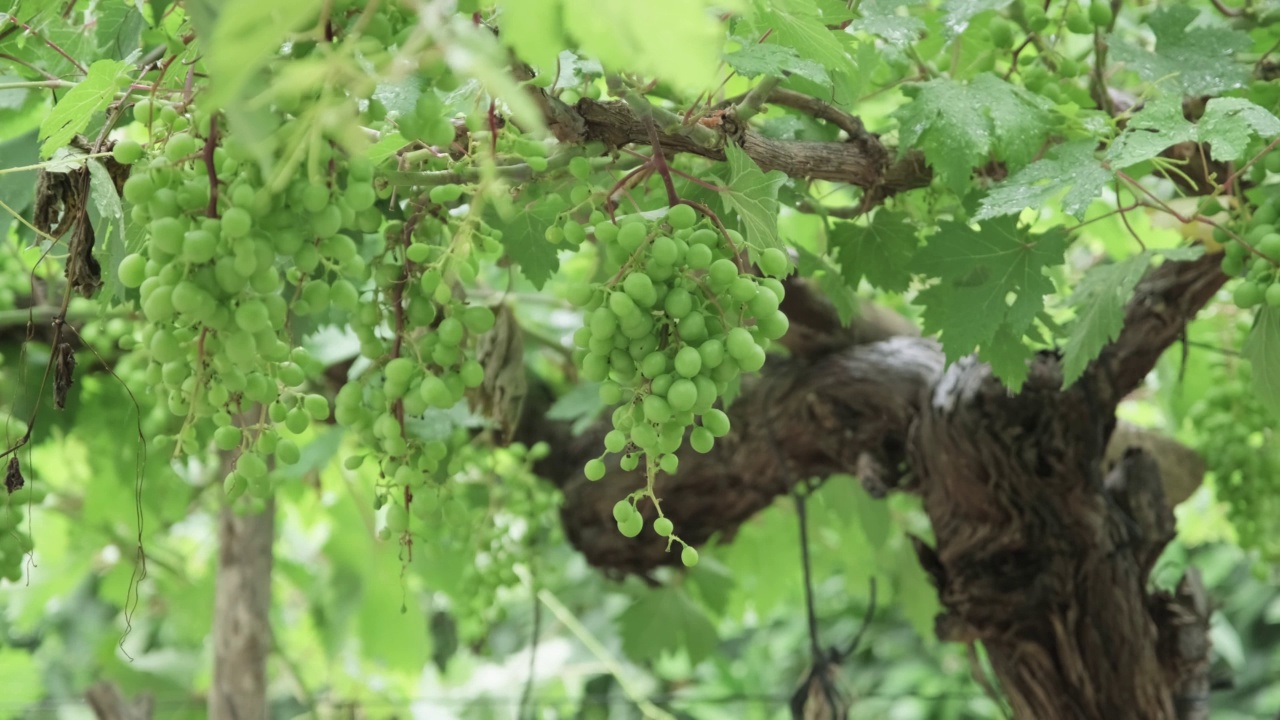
{"points": [[594, 469], [622, 510], [689, 556], [682, 217], [774, 262], [632, 526], [663, 526]]}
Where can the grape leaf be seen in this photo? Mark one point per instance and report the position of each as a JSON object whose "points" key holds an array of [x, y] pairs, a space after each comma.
{"points": [[1156, 127], [1100, 301], [957, 13], [769, 59], [1007, 355], [1197, 61], [525, 238], [533, 29], [666, 619], [834, 286], [713, 583], [581, 405], [958, 125], [881, 18], [881, 252], [797, 24], [74, 111], [1228, 123], [243, 36], [22, 680], [1262, 350], [476, 53], [978, 270], [1073, 166], [678, 41], [753, 195], [16, 189], [108, 227], [118, 30]]}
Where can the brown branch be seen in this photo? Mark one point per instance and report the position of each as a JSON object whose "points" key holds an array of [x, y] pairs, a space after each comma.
{"points": [[1164, 302], [865, 165]]}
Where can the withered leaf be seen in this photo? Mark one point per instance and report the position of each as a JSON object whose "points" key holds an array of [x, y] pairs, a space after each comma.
{"points": [[13, 480], [64, 366], [501, 352]]}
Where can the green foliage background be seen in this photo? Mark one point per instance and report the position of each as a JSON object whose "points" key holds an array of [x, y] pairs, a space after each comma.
{"points": [[359, 623]]}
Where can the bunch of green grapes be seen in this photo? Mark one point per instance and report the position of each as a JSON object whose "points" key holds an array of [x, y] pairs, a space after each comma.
{"points": [[1257, 259], [482, 503], [667, 336], [221, 270], [1242, 452]]}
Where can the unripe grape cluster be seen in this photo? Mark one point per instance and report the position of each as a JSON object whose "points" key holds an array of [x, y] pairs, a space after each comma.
{"points": [[221, 271], [1240, 449], [669, 335], [1257, 259]]}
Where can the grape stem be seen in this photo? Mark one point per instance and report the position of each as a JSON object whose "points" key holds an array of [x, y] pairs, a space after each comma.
{"points": [[211, 144], [755, 98]]}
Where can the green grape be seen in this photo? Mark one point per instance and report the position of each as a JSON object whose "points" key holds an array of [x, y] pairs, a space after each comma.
{"points": [[623, 510], [594, 469], [1078, 22], [699, 257], [682, 396], [397, 518], [297, 420], [234, 485], [252, 316], [1001, 32], [236, 222], [701, 440], [1247, 294], [632, 526], [227, 438], [1100, 13], [656, 409], [774, 262], [689, 556], [127, 152], [132, 270], [716, 422], [669, 464], [287, 452], [722, 272], [631, 235], [1272, 295], [682, 217], [663, 526]]}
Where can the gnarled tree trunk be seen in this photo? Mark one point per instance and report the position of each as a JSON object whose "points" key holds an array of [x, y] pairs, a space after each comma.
{"points": [[241, 615], [1047, 522]]}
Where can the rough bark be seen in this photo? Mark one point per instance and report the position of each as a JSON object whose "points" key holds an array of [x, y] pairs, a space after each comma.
{"points": [[1047, 522], [108, 703], [241, 622]]}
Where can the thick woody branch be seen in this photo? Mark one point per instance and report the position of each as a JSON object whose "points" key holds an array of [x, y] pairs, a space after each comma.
{"points": [[1164, 302]]}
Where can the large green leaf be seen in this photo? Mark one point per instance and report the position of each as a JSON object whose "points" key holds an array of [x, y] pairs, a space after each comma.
{"points": [[958, 125], [76, 109], [1262, 349], [1200, 60], [666, 620], [753, 195], [1071, 167]]}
